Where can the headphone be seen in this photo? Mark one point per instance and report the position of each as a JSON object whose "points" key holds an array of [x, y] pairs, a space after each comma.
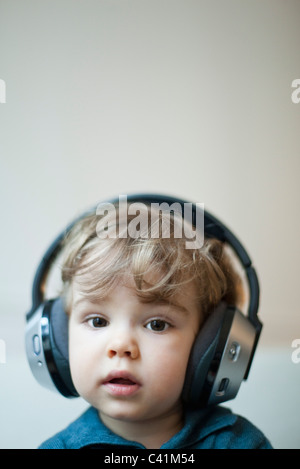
{"points": [[222, 352]]}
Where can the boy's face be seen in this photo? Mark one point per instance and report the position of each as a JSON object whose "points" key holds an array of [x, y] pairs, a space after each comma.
{"points": [[128, 358]]}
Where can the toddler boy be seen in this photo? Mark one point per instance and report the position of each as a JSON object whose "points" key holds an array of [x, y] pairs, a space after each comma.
{"points": [[135, 306]]}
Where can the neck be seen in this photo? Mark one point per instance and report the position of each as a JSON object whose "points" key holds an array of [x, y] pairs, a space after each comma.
{"points": [[151, 433]]}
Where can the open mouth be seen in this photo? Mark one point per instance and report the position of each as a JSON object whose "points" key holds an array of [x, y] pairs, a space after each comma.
{"points": [[122, 381], [121, 385]]}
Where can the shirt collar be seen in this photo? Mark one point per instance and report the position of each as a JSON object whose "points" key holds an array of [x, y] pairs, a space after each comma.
{"points": [[200, 423], [88, 430]]}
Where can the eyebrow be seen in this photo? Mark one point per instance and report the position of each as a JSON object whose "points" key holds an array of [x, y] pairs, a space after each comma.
{"points": [[160, 302], [180, 308], [91, 301]]}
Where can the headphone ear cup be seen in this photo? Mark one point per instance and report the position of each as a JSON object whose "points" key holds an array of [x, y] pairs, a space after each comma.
{"points": [[59, 328], [201, 358], [58, 352]]}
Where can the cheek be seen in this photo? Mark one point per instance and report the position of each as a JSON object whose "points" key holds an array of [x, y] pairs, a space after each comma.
{"points": [[76, 360], [167, 369], [82, 360]]}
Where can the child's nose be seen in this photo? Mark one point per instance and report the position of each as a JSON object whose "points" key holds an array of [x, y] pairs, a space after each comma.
{"points": [[123, 346]]}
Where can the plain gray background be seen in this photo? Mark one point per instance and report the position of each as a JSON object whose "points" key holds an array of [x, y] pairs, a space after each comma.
{"points": [[184, 97]]}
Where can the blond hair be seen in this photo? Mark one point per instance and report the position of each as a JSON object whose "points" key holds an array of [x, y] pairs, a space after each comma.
{"points": [[98, 263]]}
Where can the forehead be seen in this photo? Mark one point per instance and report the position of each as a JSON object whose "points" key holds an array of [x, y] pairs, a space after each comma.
{"points": [[184, 298]]}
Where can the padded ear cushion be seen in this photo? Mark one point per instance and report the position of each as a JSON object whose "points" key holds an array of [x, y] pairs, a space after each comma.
{"points": [[202, 356], [59, 325], [59, 338]]}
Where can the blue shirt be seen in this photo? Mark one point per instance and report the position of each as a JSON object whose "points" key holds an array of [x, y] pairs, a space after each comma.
{"points": [[216, 428]]}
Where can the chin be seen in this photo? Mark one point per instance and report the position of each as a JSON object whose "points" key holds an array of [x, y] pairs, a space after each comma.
{"points": [[122, 411]]}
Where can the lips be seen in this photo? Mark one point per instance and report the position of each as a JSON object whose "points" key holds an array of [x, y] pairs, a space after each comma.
{"points": [[121, 383]]}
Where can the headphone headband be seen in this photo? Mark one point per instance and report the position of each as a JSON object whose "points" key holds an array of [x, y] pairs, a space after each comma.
{"points": [[213, 228]]}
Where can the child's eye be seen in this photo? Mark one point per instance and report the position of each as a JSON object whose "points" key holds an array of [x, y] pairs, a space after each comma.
{"points": [[97, 322], [157, 325]]}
